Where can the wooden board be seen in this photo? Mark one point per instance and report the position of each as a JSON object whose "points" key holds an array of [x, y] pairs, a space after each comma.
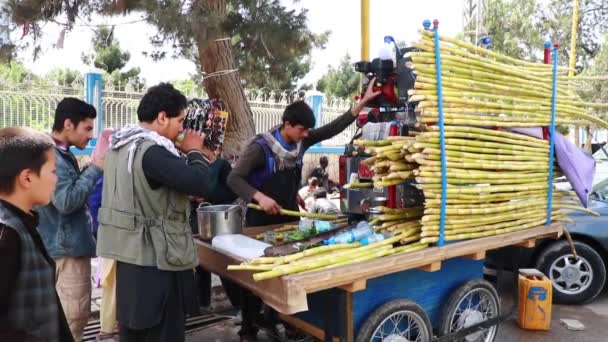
{"points": [[288, 294]]}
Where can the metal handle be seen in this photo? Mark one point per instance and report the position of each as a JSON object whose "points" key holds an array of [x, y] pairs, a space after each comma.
{"points": [[230, 209], [203, 204]]}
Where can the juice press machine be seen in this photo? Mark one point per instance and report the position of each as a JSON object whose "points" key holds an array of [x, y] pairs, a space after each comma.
{"points": [[393, 78]]}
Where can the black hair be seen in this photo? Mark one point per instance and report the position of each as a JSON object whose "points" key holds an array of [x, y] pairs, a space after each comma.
{"points": [[323, 159], [299, 113], [21, 149], [313, 181], [161, 98], [74, 109]]}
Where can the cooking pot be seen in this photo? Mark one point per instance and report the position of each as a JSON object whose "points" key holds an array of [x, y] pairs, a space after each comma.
{"points": [[216, 220]]}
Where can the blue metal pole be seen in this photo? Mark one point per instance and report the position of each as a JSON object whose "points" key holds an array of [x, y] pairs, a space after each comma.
{"points": [[552, 135], [93, 93], [315, 101], [444, 180]]}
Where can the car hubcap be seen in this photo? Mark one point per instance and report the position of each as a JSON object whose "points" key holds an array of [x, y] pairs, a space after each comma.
{"points": [[571, 275]]}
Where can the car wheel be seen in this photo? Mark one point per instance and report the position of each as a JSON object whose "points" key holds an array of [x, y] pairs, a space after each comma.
{"points": [[575, 281]]}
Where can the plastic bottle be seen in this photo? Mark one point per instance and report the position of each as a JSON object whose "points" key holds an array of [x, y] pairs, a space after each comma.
{"points": [[322, 226], [387, 51], [372, 239], [362, 230]]}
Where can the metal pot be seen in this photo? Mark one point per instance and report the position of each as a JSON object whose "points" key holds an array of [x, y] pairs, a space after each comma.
{"points": [[216, 220], [378, 202]]}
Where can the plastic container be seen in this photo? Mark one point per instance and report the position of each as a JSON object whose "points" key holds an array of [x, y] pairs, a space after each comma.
{"points": [[535, 296], [305, 224]]}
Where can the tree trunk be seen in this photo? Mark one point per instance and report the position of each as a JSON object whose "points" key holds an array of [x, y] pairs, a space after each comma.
{"points": [[215, 54], [589, 137]]}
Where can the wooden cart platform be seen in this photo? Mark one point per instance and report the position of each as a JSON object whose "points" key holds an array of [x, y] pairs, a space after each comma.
{"points": [[288, 294]]}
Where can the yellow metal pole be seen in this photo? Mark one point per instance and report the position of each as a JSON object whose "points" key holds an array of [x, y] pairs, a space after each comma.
{"points": [[365, 30], [572, 63]]}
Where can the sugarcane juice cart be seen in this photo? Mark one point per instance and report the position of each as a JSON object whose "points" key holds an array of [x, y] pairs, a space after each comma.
{"points": [[426, 291], [484, 188]]}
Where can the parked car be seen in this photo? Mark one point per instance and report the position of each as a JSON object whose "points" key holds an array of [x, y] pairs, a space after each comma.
{"points": [[575, 281]]}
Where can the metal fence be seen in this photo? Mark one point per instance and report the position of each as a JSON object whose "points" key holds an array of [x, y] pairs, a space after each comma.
{"points": [[33, 104]]}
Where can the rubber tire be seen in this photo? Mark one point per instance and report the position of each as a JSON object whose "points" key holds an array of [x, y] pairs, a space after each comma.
{"points": [[371, 323], [456, 296], [598, 267]]}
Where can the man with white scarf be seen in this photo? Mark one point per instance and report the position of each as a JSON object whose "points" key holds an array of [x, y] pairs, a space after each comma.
{"points": [[143, 219]]}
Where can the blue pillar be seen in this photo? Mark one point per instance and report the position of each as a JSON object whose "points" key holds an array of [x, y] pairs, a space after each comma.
{"points": [[92, 93], [315, 101]]}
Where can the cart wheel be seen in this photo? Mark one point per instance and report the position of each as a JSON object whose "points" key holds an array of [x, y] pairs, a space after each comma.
{"points": [[397, 321], [472, 303]]}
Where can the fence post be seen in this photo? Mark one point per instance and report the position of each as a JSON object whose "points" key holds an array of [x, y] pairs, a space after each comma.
{"points": [[92, 92], [315, 101]]}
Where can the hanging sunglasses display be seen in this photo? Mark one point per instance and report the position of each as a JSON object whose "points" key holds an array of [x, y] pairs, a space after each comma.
{"points": [[208, 116]]}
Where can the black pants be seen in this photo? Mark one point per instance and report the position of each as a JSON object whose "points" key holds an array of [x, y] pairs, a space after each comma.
{"points": [[203, 284], [151, 305], [249, 304]]}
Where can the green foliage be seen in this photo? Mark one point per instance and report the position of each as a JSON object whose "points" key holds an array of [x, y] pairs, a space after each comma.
{"points": [[342, 81], [596, 91], [271, 44], [109, 56], [14, 72], [519, 28], [63, 76]]}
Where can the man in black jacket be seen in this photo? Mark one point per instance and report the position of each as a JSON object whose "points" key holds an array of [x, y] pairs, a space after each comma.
{"points": [[269, 172]]}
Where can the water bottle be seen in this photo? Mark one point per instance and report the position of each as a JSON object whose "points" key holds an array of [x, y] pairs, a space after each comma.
{"points": [[373, 238], [362, 230], [345, 237], [388, 51], [322, 226]]}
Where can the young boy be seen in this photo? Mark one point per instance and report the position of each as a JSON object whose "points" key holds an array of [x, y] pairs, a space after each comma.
{"points": [[29, 307]]}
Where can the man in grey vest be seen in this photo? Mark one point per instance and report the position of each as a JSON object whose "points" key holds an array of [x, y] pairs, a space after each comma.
{"points": [[143, 219], [29, 307]]}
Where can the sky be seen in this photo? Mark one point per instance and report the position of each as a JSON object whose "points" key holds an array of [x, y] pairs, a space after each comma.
{"points": [[399, 18]]}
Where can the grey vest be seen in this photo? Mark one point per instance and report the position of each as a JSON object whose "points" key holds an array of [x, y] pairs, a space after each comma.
{"points": [[140, 225], [33, 307]]}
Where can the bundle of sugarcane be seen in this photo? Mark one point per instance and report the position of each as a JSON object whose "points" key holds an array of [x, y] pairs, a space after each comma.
{"points": [[482, 87], [388, 161], [329, 256], [497, 183]]}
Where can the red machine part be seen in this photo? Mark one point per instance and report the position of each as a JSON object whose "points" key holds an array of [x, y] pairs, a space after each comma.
{"points": [[392, 190]]}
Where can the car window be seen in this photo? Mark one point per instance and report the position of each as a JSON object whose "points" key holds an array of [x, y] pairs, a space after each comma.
{"points": [[601, 189]]}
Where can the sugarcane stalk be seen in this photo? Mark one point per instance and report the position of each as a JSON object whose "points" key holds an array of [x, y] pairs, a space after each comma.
{"points": [[285, 212], [487, 156], [361, 185], [410, 248], [374, 143], [402, 166], [255, 268], [384, 184], [473, 149]]}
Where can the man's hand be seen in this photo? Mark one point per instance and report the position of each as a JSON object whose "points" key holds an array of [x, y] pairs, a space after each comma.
{"points": [[193, 140], [99, 161], [269, 205], [369, 95]]}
